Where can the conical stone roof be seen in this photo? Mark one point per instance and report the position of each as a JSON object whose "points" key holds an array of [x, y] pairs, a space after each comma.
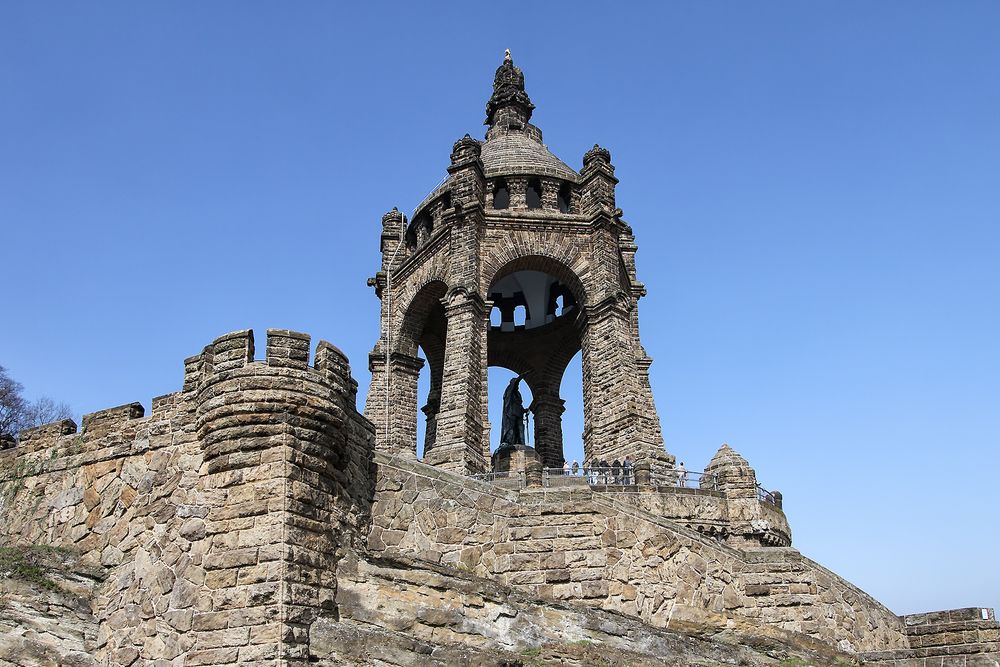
{"points": [[515, 153]]}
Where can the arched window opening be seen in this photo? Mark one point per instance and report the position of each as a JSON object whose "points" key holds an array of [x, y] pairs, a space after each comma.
{"points": [[520, 316], [496, 318], [501, 194], [446, 202], [411, 238], [563, 198], [533, 197], [533, 344]]}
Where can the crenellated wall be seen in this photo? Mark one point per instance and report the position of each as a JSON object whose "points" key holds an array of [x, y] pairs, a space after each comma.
{"points": [[220, 515]]}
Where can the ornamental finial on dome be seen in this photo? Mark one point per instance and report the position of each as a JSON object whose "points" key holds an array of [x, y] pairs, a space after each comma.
{"points": [[508, 90]]}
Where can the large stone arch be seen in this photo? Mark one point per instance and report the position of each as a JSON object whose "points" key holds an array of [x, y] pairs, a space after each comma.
{"points": [[422, 326], [520, 252], [543, 352]]}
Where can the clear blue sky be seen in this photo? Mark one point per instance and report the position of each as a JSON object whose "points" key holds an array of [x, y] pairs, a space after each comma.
{"points": [[815, 188]]}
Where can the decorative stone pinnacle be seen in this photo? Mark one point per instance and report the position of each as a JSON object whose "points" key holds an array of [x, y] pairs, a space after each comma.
{"points": [[464, 149], [392, 220], [597, 153], [508, 90]]}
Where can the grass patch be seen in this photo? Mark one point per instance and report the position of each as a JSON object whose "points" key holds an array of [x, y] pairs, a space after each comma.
{"points": [[532, 652], [32, 564]]}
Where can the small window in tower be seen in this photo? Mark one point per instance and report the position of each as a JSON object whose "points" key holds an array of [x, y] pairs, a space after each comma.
{"points": [[501, 194], [563, 199], [533, 197], [496, 318], [446, 202], [559, 305], [520, 316]]}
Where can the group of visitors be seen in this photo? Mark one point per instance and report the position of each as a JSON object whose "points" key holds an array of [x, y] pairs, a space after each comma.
{"points": [[601, 472], [618, 472]]}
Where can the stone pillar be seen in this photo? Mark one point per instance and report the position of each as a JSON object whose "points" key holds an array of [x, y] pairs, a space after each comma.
{"points": [[642, 473], [548, 409], [459, 425], [550, 194], [393, 253], [403, 401], [518, 186], [459, 445], [614, 426], [430, 414], [533, 474], [597, 187]]}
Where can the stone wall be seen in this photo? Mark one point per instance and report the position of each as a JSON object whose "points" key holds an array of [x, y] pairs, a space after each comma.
{"points": [[577, 545], [249, 520], [967, 637], [220, 515], [398, 611]]}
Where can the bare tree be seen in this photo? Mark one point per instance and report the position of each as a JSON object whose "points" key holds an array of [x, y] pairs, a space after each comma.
{"points": [[17, 414]]}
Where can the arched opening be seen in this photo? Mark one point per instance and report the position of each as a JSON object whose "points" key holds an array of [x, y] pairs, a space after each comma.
{"points": [[501, 194], [418, 371], [538, 348], [533, 196], [564, 197], [520, 315]]}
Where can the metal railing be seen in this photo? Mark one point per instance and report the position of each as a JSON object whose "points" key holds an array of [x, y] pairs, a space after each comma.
{"points": [[621, 476], [766, 496], [686, 479], [594, 476], [492, 477]]}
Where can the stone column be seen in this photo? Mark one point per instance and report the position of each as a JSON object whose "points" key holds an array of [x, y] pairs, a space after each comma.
{"points": [[548, 409], [458, 446], [613, 423], [550, 194], [430, 414], [518, 186], [402, 409], [642, 476], [533, 474]]}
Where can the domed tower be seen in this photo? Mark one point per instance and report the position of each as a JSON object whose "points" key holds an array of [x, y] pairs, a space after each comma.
{"points": [[512, 228]]}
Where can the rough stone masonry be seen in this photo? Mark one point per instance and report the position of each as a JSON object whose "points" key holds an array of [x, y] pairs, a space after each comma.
{"points": [[255, 517]]}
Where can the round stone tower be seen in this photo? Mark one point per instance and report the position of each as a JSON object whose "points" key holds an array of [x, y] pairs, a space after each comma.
{"points": [[515, 230]]}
